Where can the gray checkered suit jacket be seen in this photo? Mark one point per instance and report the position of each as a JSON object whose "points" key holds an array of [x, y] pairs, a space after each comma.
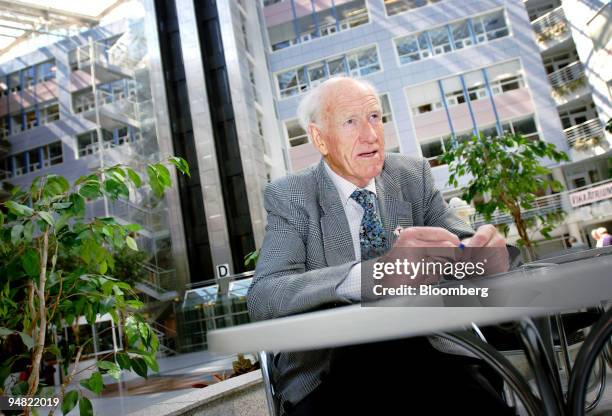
{"points": [[308, 251]]}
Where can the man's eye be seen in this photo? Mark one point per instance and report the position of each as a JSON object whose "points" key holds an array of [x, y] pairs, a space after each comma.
{"points": [[350, 122]]}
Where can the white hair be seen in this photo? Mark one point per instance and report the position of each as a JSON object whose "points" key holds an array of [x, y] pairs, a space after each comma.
{"points": [[309, 109]]}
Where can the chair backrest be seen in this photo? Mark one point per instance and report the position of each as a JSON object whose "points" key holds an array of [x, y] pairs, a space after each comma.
{"points": [[265, 360]]}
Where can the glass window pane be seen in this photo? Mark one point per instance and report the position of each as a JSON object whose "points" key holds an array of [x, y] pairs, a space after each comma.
{"points": [[439, 40], [525, 126], [336, 66], [432, 149]]}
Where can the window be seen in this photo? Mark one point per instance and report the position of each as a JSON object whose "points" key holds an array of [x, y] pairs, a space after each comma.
{"points": [[345, 15], [493, 25], [394, 7], [46, 71], [387, 115], [295, 133], [49, 113], [363, 62], [14, 82], [28, 77], [461, 34], [413, 48], [433, 148], [16, 123], [440, 42], [507, 84], [35, 159], [464, 33], [360, 63], [525, 126], [424, 98], [53, 154], [31, 120]]}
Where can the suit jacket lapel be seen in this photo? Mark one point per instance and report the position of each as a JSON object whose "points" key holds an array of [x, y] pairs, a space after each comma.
{"points": [[394, 211], [337, 240]]}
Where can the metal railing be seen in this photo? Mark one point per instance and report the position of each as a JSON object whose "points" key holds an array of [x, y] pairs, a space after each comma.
{"points": [[549, 25], [565, 75], [542, 205], [590, 129]]}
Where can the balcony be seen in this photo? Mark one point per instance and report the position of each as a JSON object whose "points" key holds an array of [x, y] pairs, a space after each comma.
{"points": [[568, 83], [542, 205], [551, 28], [585, 135]]}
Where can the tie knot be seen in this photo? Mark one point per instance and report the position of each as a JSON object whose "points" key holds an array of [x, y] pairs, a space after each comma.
{"points": [[364, 198]]}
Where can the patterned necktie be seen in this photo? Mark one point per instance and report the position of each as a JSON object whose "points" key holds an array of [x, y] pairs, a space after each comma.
{"points": [[371, 233]]}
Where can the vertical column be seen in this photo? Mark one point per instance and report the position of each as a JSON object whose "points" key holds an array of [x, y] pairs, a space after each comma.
{"points": [[500, 130], [335, 14], [41, 157], [315, 19], [296, 29], [205, 148], [164, 140], [469, 104], [445, 104]]}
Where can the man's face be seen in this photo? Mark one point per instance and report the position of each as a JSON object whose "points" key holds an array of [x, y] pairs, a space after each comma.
{"points": [[351, 135]]}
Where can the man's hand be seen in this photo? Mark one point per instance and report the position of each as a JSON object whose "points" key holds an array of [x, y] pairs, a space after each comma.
{"points": [[421, 245], [488, 244]]}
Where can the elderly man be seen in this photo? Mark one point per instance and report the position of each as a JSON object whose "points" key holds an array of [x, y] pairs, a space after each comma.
{"points": [[321, 223]]}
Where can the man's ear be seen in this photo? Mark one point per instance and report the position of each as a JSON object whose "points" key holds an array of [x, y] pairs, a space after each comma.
{"points": [[317, 138]]}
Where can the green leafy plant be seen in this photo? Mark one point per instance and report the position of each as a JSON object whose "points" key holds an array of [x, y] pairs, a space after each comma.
{"points": [[508, 169], [57, 266], [250, 260]]}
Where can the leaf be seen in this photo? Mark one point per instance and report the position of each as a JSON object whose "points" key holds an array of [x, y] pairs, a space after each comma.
{"points": [[131, 243], [90, 190], [123, 360], [28, 231], [154, 181], [85, 408], [61, 205], [181, 164], [16, 234], [18, 209], [111, 368], [134, 177], [139, 366], [103, 267], [94, 383], [30, 261], [5, 331], [27, 340], [70, 400], [151, 362], [47, 217]]}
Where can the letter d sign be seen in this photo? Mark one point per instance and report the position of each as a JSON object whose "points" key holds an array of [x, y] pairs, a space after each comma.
{"points": [[223, 270]]}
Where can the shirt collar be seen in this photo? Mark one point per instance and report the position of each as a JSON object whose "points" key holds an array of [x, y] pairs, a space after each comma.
{"points": [[346, 188]]}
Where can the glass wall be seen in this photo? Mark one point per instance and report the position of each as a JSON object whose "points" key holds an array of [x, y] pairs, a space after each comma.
{"points": [[357, 63], [451, 37]]}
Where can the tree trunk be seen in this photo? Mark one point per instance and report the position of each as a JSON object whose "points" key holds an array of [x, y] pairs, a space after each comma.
{"points": [[39, 344]]}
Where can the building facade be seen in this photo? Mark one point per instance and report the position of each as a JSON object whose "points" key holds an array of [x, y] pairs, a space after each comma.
{"points": [[447, 69]]}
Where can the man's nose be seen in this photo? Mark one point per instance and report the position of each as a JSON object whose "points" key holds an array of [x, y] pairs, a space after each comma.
{"points": [[368, 133]]}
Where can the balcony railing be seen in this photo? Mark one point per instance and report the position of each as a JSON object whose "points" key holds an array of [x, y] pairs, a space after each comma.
{"points": [[552, 24], [567, 79], [542, 205], [585, 134]]}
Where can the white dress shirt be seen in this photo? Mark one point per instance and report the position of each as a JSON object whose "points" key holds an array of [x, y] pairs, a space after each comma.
{"points": [[351, 285]]}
